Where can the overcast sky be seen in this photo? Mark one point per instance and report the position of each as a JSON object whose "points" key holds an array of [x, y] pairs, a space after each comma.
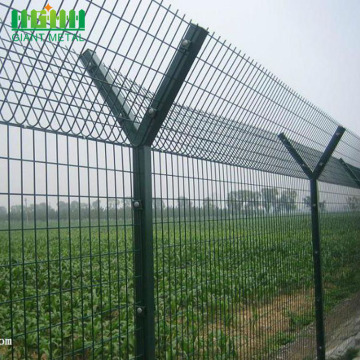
{"points": [[312, 45]]}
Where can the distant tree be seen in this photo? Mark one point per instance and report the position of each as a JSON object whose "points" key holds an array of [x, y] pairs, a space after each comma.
{"points": [[184, 205], [243, 200], [269, 198], [233, 202], [3, 213], [353, 203], [84, 210], [16, 212], [126, 208], [307, 203], [74, 209], [63, 209], [97, 211], [51, 212], [209, 205], [43, 212], [126, 203], [112, 205], [287, 201], [158, 206], [182, 202], [252, 201], [95, 205]]}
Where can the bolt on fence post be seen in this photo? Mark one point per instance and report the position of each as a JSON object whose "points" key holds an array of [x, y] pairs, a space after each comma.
{"points": [[313, 176]]}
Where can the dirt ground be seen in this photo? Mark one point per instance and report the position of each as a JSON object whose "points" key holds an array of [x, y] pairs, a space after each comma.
{"points": [[342, 326]]}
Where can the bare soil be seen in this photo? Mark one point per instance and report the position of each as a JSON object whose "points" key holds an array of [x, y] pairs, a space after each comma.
{"points": [[340, 324]]}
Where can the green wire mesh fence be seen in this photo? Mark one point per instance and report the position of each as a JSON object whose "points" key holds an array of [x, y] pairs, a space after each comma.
{"points": [[148, 207]]}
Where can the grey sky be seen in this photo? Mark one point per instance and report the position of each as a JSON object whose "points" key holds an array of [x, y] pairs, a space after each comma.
{"points": [[312, 45]]}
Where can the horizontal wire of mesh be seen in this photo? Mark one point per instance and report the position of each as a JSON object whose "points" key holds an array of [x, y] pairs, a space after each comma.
{"points": [[66, 237]]}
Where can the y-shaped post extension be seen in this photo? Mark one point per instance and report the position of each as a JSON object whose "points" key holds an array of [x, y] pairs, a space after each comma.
{"points": [[313, 176]]}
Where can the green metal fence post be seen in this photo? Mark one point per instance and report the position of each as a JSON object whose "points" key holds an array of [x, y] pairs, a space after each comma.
{"points": [[143, 256], [171, 83], [142, 203], [319, 301], [141, 137], [315, 228]]}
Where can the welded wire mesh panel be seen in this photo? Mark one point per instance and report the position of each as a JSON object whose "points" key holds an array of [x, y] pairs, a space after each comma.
{"points": [[66, 261], [233, 260], [341, 248]]}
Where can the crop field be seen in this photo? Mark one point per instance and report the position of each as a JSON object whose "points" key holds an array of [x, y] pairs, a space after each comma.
{"points": [[242, 285]]}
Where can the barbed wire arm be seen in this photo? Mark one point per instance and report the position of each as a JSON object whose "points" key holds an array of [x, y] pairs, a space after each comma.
{"points": [[145, 133], [328, 152], [296, 156], [111, 94], [171, 84]]}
